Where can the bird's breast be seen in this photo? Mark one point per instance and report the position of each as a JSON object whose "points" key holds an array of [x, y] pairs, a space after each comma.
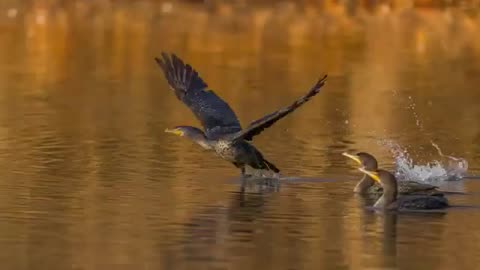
{"points": [[223, 148], [230, 151]]}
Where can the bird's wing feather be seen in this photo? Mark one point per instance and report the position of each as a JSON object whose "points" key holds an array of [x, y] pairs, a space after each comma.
{"points": [[215, 115], [257, 126], [413, 186]]}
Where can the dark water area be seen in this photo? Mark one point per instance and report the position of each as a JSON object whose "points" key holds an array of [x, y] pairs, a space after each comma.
{"points": [[89, 179]]}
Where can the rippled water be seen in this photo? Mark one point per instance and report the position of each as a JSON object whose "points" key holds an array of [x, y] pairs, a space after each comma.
{"points": [[89, 180]]}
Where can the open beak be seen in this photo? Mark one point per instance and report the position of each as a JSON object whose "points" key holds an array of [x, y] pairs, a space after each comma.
{"points": [[373, 175], [355, 158], [174, 131]]}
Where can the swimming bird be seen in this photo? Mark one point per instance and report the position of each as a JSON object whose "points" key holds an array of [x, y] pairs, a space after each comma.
{"points": [[222, 131], [390, 201], [369, 186]]}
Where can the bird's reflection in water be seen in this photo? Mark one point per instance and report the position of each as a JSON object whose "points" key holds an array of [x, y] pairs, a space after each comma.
{"points": [[389, 238], [381, 229], [246, 206], [211, 228], [379, 235], [249, 201], [259, 184]]}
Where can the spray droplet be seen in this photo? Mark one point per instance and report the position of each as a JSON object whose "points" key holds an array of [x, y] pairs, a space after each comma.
{"points": [[12, 13], [167, 7], [432, 171]]}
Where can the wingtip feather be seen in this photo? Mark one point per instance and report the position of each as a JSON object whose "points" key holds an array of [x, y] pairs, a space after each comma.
{"points": [[181, 76], [164, 55], [322, 81]]}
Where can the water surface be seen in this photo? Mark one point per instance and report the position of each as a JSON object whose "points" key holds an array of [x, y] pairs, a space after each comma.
{"points": [[89, 180]]}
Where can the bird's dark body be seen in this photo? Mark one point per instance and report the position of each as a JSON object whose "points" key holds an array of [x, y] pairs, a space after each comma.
{"points": [[241, 153], [222, 130], [390, 200], [420, 202]]}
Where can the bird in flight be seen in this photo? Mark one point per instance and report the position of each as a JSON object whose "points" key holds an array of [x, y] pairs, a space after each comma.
{"points": [[222, 131]]}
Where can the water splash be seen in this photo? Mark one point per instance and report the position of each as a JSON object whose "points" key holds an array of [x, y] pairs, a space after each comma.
{"points": [[448, 168], [412, 106], [261, 174], [456, 167]]}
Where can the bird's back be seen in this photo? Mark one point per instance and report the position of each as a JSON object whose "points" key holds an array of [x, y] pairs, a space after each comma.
{"points": [[413, 187], [409, 187], [424, 202]]}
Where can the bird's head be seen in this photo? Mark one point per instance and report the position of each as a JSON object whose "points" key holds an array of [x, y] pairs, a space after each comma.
{"points": [[185, 131], [366, 160], [193, 133], [179, 131]]}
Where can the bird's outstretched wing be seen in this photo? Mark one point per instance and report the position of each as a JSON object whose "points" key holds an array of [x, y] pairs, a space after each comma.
{"points": [[215, 115], [257, 126]]}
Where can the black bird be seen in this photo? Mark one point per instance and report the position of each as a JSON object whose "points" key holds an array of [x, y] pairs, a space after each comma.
{"points": [[222, 130], [368, 185], [389, 198]]}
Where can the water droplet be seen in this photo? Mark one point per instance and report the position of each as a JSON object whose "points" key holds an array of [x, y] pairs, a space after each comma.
{"points": [[167, 7], [12, 13]]}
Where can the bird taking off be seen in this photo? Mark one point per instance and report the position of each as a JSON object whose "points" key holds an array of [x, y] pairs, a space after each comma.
{"points": [[222, 131]]}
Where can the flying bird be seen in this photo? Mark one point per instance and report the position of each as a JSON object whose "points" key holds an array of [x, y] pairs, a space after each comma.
{"points": [[222, 131]]}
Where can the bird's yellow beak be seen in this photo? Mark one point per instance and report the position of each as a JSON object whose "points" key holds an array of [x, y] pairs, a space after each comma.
{"points": [[355, 158], [374, 175], [175, 131]]}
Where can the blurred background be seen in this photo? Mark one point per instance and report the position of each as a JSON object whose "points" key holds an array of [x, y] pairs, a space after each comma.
{"points": [[89, 180]]}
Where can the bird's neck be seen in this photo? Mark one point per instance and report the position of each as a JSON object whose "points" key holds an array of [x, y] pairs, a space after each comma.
{"points": [[200, 139], [388, 197], [365, 183], [204, 143]]}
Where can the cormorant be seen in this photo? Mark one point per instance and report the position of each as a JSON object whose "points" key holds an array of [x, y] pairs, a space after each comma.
{"points": [[368, 185], [222, 130], [389, 199]]}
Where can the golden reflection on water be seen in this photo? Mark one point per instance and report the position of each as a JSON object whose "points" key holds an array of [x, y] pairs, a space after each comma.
{"points": [[90, 179]]}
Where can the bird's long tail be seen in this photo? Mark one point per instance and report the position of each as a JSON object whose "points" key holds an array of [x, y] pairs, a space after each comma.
{"points": [[271, 166]]}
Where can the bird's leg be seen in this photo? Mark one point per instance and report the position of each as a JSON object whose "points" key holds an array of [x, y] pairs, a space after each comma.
{"points": [[241, 167], [243, 171]]}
